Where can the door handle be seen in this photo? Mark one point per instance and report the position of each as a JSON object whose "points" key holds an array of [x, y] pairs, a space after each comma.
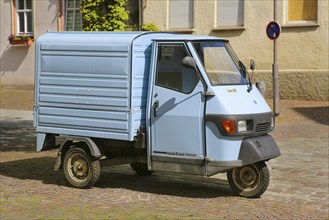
{"points": [[155, 107]]}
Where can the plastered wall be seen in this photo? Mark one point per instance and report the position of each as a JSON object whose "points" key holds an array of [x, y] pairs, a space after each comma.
{"points": [[303, 51], [17, 62]]}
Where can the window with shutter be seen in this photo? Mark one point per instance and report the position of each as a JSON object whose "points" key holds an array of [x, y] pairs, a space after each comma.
{"points": [[181, 14], [230, 13]]}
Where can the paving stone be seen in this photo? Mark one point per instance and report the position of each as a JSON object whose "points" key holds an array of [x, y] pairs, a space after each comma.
{"points": [[30, 189]]}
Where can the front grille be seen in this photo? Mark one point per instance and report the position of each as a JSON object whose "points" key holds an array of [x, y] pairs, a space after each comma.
{"points": [[263, 127]]}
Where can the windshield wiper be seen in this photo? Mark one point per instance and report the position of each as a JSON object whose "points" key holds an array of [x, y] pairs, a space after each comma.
{"points": [[245, 75]]}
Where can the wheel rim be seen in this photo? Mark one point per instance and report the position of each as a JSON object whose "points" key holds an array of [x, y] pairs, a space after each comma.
{"points": [[246, 178], [78, 167]]}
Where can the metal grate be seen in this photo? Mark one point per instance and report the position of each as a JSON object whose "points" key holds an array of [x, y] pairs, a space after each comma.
{"points": [[263, 127]]}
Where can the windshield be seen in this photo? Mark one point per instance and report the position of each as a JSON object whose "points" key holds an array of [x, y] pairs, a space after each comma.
{"points": [[220, 62]]}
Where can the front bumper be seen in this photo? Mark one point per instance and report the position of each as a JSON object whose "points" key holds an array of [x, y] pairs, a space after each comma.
{"points": [[256, 149], [252, 150]]}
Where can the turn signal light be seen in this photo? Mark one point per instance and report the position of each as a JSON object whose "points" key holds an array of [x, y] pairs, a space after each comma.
{"points": [[229, 126]]}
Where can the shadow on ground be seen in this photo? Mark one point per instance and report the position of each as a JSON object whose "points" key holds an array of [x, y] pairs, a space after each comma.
{"points": [[20, 136], [159, 183], [17, 135], [317, 114]]}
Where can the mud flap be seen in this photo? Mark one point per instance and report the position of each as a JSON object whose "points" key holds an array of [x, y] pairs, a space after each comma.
{"points": [[45, 141], [256, 149]]}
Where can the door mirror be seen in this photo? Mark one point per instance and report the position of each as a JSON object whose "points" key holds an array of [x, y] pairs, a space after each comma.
{"points": [[252, 65], [189, 61]]}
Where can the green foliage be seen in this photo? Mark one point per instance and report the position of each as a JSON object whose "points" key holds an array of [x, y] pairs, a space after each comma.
{"points": [[104, 15], [149, 27]]}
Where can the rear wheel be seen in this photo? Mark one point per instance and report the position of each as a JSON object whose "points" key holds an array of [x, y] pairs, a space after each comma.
{"points": [[80, 168], [249, 181], [140, 168]]}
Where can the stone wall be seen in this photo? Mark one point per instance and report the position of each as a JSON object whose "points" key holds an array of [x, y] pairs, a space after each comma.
{"points": [[303, 85]]}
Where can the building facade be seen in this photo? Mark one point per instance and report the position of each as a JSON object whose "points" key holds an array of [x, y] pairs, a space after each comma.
{"points": [[24, 17], [303, 51], [32, 18], [303, 46]]}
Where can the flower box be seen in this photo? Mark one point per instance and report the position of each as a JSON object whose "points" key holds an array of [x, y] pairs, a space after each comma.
{"points": [[23, 40]]}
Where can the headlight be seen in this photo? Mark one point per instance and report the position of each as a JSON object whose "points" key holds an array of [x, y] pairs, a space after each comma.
{"points": [[242, 126], [234, 127]]}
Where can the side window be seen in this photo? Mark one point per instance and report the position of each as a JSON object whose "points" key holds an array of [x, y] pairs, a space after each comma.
{"points": [[171, 73]]}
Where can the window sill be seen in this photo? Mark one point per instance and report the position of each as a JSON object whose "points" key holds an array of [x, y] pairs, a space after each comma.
{"points": [[229, 28], [300, 25], [182, 30]]}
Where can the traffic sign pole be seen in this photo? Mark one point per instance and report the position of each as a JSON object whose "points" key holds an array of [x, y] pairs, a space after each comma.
{"points": [[273, 31], [275, 69]]}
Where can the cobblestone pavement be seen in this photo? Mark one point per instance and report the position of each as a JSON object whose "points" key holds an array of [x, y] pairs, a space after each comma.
{"points": [[298, 189]]}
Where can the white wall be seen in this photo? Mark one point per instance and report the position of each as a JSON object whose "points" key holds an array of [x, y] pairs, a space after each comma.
{"points": [[17, 62]]}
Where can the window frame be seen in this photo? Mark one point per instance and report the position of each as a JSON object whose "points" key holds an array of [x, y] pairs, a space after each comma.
{"points": [[65, 13], [188, 53], [16, 21], [218, 26], [182, 29], [301, 22]]}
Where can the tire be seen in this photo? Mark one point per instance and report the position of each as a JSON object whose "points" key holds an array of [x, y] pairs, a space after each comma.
{"points": [[249, 181], [141, 168], [80, 168]]}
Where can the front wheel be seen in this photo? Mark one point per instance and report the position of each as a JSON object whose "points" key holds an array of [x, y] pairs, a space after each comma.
{"points": [[249, 181], [80, 168]]}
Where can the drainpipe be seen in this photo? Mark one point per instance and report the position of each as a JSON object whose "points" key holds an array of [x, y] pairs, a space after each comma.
{"points": [[141, 14]]}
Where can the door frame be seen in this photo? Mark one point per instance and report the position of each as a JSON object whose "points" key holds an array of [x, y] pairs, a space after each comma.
{"points": [[181, 165]]}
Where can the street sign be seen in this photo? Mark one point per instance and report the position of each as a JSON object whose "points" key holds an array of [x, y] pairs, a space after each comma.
{"points": [[273, 30]]}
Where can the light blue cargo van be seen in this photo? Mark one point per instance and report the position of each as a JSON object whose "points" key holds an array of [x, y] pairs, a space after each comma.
{"points": [[157, 101]]}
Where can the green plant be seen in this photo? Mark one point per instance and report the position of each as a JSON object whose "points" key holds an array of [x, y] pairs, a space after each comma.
{"points": [[149, 27], [104, 15], [21, 36]]}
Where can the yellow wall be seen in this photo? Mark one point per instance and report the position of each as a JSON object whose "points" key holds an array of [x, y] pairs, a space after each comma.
{"points": [[302, 48]]}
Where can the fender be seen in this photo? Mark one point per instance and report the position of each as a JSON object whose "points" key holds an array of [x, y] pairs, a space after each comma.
{"points": [[94, 150], [256, 149]]}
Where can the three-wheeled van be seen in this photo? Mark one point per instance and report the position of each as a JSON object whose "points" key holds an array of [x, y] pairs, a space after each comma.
{"points": [[156, 101]]}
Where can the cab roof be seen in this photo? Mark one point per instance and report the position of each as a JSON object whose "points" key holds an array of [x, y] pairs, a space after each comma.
{"points": [[119, 38], [188, 37]]}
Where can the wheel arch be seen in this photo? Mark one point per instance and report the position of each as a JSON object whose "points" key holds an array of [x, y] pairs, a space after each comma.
{"points": [[70, 141]]}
